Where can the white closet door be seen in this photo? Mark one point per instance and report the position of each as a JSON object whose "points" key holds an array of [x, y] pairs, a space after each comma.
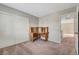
{"points": [[6, 25], [6, 30], [14, 29], [21, 28]]}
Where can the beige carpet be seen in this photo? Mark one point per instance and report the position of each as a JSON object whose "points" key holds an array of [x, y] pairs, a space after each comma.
{"points": [[40, 47]]}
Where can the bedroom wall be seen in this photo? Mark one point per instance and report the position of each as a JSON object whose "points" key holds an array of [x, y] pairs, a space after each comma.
{"points": [[68, 28], [33, 21], [53, 22], [14, 26]]}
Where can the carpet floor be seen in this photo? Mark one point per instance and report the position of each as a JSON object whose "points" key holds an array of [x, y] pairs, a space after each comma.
{"points": [[40, 47]]}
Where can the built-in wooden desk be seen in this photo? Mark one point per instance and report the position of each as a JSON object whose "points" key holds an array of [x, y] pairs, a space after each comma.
{"points": [[39, 32]]}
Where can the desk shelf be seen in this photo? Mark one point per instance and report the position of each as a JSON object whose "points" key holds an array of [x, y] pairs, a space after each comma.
{"points": [[36, 32]]}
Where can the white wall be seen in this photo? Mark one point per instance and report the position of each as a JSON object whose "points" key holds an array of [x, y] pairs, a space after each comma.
{"points": [[33, 21], [53, 23]]}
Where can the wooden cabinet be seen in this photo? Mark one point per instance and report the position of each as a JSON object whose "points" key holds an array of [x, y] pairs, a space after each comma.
{"points": [[39, 32]]}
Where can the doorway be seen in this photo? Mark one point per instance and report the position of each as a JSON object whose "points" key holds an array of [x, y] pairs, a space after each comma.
{"points": [[67, 25]]}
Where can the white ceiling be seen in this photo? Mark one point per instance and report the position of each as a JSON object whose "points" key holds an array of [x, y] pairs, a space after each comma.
{"points": [[40, 9]]}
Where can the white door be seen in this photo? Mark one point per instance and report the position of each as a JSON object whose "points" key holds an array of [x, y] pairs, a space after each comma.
{"points": [[6, 30], [21, 28]]}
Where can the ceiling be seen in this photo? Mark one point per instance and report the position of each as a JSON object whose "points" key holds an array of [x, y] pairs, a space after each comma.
{"points": [[40, 9]]}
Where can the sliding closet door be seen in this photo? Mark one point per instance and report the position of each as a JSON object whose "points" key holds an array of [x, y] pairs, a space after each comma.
{"points": [[6, 30], [21, 28], [14, 29]]}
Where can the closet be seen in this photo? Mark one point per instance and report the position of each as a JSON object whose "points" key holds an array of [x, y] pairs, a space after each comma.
{"points": [[14, 29]]}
